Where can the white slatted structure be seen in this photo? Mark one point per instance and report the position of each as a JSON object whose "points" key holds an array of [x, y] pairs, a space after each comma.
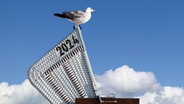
{"points": [[64, 73]]}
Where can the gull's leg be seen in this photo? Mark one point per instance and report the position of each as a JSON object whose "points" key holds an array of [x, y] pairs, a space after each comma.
{"points": [[75, 26], [80, 27]]}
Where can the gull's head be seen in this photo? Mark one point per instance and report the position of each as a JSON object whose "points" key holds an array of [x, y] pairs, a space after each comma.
{"points": [[89, 10]]}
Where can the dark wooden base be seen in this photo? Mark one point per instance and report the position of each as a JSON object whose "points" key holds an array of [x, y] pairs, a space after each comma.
{"points": [[107, 101]]}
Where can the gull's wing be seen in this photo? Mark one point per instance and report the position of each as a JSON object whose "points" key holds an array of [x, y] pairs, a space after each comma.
{"points": [[71, 15], [74, 14]]}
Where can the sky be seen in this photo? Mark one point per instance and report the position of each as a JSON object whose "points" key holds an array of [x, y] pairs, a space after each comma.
{"points": [[139, 38]]}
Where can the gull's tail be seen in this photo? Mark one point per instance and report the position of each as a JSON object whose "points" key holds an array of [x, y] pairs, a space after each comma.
{"points": [[64, 15]]}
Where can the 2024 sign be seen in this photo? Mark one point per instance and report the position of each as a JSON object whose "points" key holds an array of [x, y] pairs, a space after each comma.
{"points": [[67, 45]]}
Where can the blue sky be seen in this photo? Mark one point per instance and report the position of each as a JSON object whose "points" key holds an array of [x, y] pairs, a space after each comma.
{"points": [[147, 35]]}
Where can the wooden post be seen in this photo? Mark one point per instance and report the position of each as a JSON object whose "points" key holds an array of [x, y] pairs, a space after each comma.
{"points": [[104, 100]]}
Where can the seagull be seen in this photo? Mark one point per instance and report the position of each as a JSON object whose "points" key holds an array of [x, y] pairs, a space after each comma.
{"points": [[78, 17]]}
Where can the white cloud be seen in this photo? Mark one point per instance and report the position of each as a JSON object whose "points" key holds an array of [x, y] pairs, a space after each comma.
{"points": [[126, 82], [123, 82], [167, 95], [20, 94]]}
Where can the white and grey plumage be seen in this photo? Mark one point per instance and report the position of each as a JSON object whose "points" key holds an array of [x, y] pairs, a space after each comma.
{"points": [[78, 17]]}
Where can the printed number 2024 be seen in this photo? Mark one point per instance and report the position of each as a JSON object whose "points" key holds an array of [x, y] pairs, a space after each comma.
{"points": [[67, 45]]}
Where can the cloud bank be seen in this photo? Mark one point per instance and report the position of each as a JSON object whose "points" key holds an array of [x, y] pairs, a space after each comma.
{"points": [[20, 94], [126, 82], [122, 82]]}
